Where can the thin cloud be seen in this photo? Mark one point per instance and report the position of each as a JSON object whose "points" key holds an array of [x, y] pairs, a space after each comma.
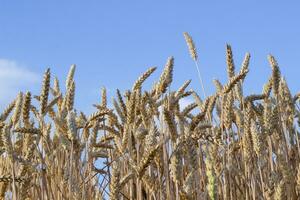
{"points": [[14, 77]]}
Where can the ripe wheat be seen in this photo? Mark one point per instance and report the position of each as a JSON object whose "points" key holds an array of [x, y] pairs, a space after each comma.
{"points": [[149, 146]]}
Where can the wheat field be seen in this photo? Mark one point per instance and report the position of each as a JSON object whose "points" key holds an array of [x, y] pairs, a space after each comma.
{"points": [[147, 145]]}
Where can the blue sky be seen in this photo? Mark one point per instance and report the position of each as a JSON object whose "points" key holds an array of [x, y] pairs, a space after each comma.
{"points": [[113, 42]]}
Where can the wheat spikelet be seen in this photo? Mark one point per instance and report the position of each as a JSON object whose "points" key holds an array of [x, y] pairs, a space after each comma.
{"points": [[150, 139], [70, 96], [138, 84], [257, 143], [230, 63], [211, 186], [276, 75], [192, 48], [121, 102], [35, 131], [70, 76], [218, 85], [103, 98], [26, 108], [171, 124], [188, 109], [228, 110], [176, 167], [267, 116], [239, 91], [98, 114], [146, 160], [115, 182], [254, 97], [8, 178], [192, 153], [56, 87], [247, 138], [6, 138], [45, 92], [267, 88], [239, 118], [7, 111], [245, 64], [18, 109], [182, 88], [240, 76], [286, 102], [166, 77], [131, 108], [118, 110], [71, 123], [211, 105], [205, 104]]}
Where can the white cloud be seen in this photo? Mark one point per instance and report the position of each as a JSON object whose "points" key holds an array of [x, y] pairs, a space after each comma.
{"points": [[14, 77]]}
